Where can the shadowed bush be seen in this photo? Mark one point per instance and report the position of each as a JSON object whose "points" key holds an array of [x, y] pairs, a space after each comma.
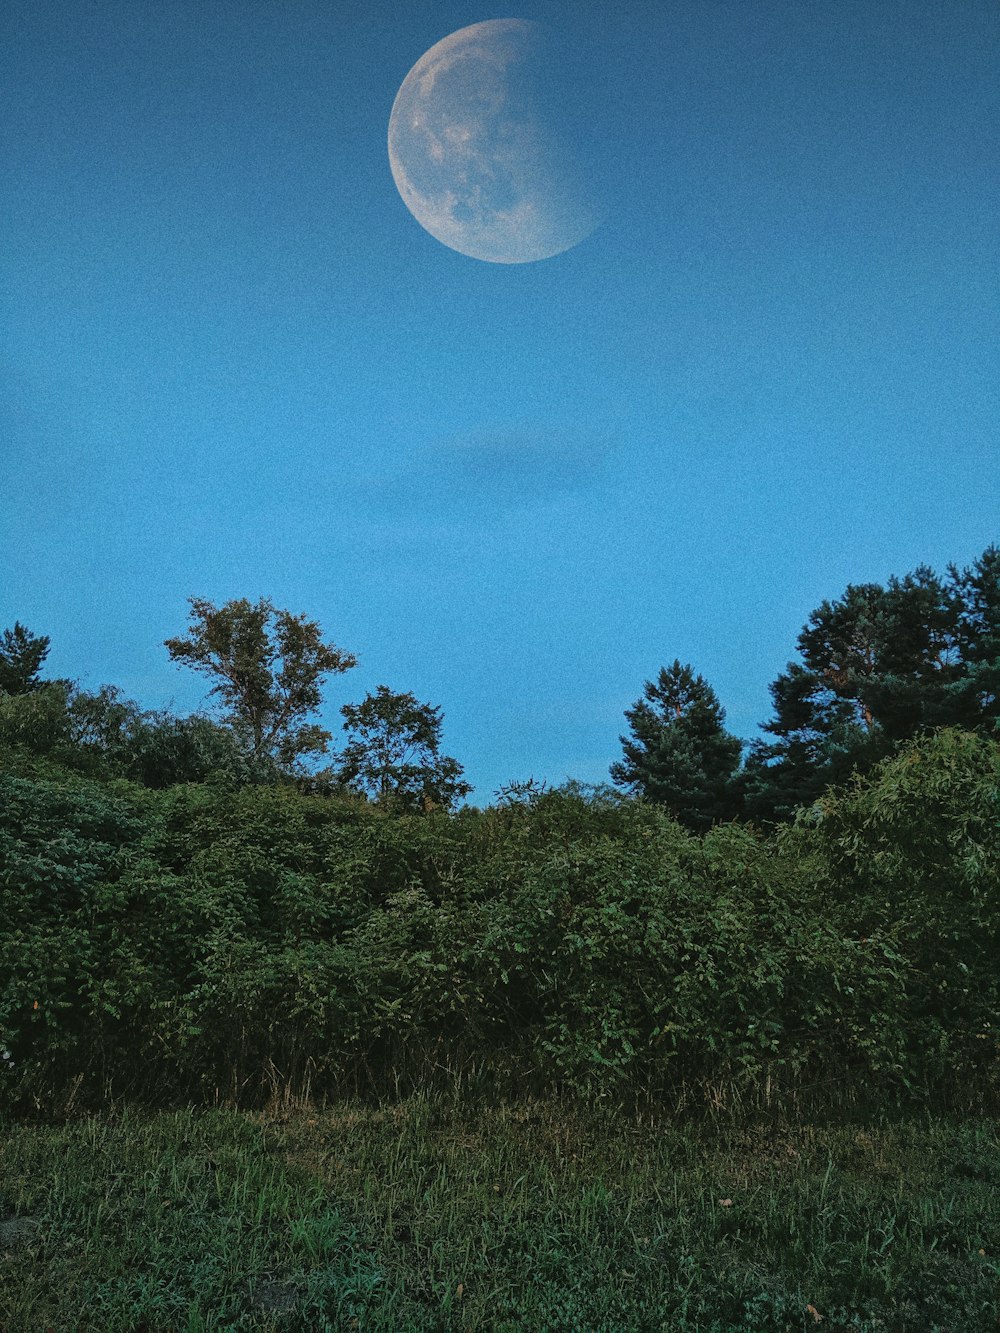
{"points": [[246, 942]]}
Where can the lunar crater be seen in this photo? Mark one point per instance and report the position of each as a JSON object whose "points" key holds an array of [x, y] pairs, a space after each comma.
{"points": [[483, 156]]}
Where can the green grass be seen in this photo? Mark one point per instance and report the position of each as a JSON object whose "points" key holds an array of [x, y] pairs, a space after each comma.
{"points": [[428, 1216]]}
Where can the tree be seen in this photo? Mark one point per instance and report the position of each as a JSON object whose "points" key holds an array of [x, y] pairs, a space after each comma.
{"points": [[976, 590], [823, 720], [105, 735], [86, 731], [679, 754], [394, 754], [21, 656], [880, 665], [37, 722], [268, 666]]}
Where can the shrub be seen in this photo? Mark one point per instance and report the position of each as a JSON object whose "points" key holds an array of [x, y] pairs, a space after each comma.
{"points": [[218, 939], [912, 860]]}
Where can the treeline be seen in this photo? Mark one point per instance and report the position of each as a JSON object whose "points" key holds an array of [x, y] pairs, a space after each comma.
{"points": [[196, 906], [877, 667], [267, 667]]}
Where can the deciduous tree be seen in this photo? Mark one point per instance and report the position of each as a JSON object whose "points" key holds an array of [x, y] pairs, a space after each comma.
{"points": [[394, 753], [267, 666]]}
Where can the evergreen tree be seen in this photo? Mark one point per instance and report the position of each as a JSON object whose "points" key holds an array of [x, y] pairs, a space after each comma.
{"points": [[21, 656], [879, 666], [678, 754], [975, 695]]}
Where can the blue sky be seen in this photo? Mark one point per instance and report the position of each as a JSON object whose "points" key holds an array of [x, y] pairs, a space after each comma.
{"points": [[234, 365]]}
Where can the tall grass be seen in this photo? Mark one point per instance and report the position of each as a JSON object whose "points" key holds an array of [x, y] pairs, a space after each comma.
{"points": [[417, 1215]]}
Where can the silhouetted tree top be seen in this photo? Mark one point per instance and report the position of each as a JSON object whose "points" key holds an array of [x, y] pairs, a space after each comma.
{"points": [[879, 665], [267, 666], [393, 754], [21, 656], [679, 754]]}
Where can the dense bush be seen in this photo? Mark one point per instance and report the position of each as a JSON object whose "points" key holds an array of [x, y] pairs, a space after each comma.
{"points": [[912, 863], [216, 939], [103, 735]]}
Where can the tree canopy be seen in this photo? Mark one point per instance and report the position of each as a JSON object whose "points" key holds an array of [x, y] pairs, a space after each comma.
{"points": [[267, 666], [678, 754], [876, 667], [394, 753], [879, 665], [21, 656]]}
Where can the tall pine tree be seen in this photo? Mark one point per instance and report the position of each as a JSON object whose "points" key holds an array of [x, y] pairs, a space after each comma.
{"points": [[878, 666], [678, 753], [21, 656], [975, 695]]}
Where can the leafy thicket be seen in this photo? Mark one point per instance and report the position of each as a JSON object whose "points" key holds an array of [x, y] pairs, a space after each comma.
{"points": [[239, 941], [184, 911], [58, 727]]}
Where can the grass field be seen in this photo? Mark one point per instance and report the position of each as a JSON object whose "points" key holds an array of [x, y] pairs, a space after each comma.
{"points": [[425, 1215]]}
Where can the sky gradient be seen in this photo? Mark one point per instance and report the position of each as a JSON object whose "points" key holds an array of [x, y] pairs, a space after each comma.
{"points": [[234, 365]]}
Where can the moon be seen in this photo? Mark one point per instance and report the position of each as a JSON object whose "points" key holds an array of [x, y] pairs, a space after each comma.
{"points": [[487, 147]]}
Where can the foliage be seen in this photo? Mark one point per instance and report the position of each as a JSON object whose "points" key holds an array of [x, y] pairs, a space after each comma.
{"points": [[104, 735], [913, 858], [102, 724], [165, 750], [268, 666], [975, 695], [879, 666], [65, 970], [679, 754], [245, 941], [220, 931], [21, 656], [36, 722], [86, 731], [394, 753]]}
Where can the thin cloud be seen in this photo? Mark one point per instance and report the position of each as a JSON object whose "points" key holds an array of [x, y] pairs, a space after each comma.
{"points": [[485, 470]]}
